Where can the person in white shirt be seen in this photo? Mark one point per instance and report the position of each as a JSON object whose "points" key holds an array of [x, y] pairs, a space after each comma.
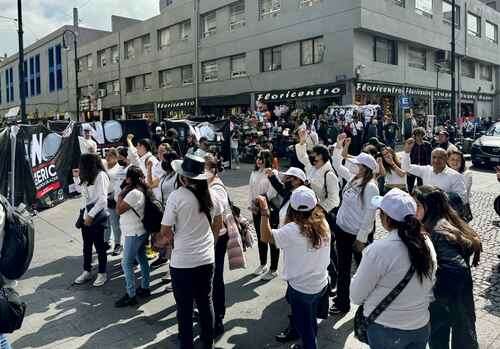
{"points": [[95, 185], [130, 206], [443, 140], [194, 217], [406, 252], [391, 169], [87, 144], [155, 171], [456, 161], [438, 174], [259, 184], [355, 218], [116, 175], [305, 242], [141, 154]]}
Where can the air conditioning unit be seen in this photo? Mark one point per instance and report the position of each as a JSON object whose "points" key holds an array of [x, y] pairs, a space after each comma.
{"points": [[101, 93]]}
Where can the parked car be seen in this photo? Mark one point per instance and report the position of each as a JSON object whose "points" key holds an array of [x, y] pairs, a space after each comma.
{"points": [[486, 149]]}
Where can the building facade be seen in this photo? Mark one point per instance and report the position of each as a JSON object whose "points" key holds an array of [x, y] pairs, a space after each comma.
{"points": [[221, 56]]}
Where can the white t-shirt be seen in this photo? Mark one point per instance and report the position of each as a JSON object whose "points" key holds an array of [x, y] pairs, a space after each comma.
{"points": [[193, 237], [87, 146], [157, 172], [167, 185], [304, 267], [130, 222]]}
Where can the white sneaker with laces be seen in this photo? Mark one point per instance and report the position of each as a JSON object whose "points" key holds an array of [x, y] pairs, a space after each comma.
{"points": [[83, 278], [100, 280], [260, 270], [269, 275]]}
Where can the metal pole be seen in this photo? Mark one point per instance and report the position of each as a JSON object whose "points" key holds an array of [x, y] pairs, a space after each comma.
{"points": [[453, 61], [196, 68], [13, 143], [22, 96], [77, 90]]}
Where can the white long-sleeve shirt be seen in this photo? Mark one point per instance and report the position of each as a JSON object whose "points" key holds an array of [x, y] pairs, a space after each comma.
{"points": [[393, 178], [384, 264], [468, 185], [259, 184], [140, 161], [356, 215], [316, 177], [96, 194], [448, 180]]}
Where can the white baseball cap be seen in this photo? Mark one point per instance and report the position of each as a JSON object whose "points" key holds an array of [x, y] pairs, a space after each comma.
{"points": [[397, 204], [367, 160], [303, 199], [295, 172]]}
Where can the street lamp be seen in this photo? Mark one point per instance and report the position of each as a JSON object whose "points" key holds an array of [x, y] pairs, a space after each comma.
{"points": [[77, 92]]}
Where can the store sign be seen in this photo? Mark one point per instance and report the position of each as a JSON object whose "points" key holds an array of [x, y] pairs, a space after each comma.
{"points": [[188, 103], [307, 92]]}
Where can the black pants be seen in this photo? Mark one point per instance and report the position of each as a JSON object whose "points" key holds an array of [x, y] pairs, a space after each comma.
{"points": [[194, 284], [410, 181], [345, 244], [456, 317], [333, 267], [263, 247], [219, 293], [94, 236]]}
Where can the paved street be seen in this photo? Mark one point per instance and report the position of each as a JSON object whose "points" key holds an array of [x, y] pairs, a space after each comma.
{"points": [[64, 316]]}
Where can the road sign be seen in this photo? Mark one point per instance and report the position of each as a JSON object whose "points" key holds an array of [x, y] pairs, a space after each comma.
{"points": [[404, 102]]}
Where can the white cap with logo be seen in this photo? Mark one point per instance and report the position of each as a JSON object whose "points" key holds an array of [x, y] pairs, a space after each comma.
{"points": [[367, 160], [295, 172], [397, 204], [303, 199]]}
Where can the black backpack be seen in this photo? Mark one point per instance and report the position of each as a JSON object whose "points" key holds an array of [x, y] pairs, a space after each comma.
{"points": [[153, 214], [18, 242]]}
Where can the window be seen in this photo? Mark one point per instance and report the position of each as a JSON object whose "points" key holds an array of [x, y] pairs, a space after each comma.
{"points": [[32, 77], [9, 85], [52, 77], [308, 3], [85, 63], [139, 83], [238, 66], [146, 44], [417, 58], [485, 72], [167, 78], [102, 59], [115, 54], [129, 49], [209, 24], [209, 71], [59, 77], [491, 32], [186, 30], [442, 61], [474, 25], [385, 51], [269, 8], [164, 38], [271, 59], [116, 87], [187, 75], [399, 2], [312, 51], [447, 13], [37, 76], [423, 7], [468, 69], [237, 17]]}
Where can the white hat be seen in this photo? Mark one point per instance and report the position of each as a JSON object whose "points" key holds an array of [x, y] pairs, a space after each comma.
{"points": [[367, 160], [303, 199], [397, 204], [295, 172]]}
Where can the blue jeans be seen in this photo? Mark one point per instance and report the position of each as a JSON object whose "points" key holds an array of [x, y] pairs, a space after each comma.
{"points": [[135, 248], [304, 315], [381, 337], [4, 343], [113, 226]]}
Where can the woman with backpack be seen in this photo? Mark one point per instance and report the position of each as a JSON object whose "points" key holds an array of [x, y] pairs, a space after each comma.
{"points": [[456, 243], [130, 206], [405, 260], [356, 216], [93, 218], [305, 242], [195, 218]]}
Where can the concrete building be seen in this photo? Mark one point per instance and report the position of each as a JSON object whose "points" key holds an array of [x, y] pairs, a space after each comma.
{"points": [[309, 54], [47, 87], [495, 4]]}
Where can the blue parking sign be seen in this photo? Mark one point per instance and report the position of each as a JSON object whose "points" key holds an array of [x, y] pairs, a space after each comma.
{"points": [[404, 102]]}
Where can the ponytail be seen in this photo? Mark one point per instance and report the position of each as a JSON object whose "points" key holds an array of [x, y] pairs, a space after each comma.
{"points": [[410, 232]]}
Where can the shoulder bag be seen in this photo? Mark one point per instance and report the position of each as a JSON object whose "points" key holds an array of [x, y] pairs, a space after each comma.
{"points": [[12, 310], [361, 323]]}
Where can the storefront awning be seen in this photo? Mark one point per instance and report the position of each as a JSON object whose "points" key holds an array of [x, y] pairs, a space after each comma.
{"points": [[225, 101]]}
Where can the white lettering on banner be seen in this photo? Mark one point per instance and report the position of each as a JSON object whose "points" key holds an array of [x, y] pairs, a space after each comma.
{"points": [[301, 93], [37, 149]]}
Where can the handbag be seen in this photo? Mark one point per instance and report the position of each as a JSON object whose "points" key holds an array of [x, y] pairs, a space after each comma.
{"points": [[361, 323], [100, 220], [12, 310]]}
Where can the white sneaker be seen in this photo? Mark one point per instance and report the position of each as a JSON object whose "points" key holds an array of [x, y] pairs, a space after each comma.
{"points": [[260, 270], [100, 280], [166, 278], [269, 275], [237, 167], [83, 278]]}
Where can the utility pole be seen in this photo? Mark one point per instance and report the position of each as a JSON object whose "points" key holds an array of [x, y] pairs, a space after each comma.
{"points": [[22, 96], [196, 69], [453, 61]]}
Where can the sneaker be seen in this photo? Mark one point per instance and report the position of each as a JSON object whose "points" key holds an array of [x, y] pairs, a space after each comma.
{"points": [[100, 280], [288, 335], [269, 275], [126, 301], [260, 270], [117, 251], [83, 278], [143, 292], [159, 262], [150, 254], [167, 278]]}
